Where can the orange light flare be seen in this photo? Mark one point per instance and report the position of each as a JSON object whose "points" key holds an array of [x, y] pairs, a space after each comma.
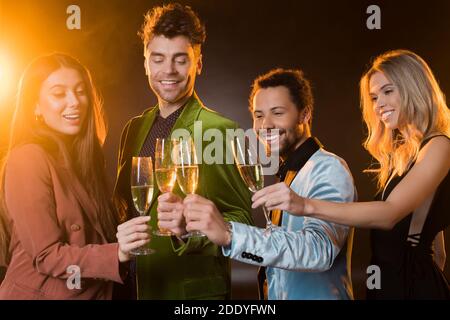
{"points": [[7, 77]]}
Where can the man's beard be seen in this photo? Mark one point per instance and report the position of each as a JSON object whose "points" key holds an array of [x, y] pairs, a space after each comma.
{"points": [[291, 146]]}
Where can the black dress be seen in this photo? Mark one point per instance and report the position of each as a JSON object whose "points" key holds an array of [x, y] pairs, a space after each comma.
{"points": [[407, 267]]}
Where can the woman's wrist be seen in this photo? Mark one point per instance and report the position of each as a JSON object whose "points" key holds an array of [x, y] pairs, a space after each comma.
{"points": [[308, 207], [123, 257]]}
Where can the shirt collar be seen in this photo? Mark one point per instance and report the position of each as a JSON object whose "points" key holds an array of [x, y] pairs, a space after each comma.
{"points": [[298, 158], [171, 117]]}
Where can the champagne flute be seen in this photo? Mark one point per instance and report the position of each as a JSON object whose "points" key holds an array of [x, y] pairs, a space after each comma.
{"points": [[185, 159], [250, 168], [142, 191], [165, 173]]}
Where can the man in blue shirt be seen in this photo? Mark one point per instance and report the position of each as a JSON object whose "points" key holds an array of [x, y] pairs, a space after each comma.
{"points": [[304, 258]]}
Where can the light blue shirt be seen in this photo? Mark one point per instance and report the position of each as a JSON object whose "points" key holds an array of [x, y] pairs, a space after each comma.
{"points": [[306, 258]]}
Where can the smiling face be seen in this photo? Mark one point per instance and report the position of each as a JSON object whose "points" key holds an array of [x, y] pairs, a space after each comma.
{"points": [[172, 65], [63, 101], [272, 108], [386, 99]]}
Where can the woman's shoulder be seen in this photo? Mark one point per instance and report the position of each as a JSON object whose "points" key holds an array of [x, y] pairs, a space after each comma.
{"points": [[437, 143], [437, 140], [28, 149], [436, 150], [30, 154]]}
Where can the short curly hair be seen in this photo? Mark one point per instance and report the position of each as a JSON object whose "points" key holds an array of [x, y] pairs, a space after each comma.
{"points": [[173, 20], [294, 80]]}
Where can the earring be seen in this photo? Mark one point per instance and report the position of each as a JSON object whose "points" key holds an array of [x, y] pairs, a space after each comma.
{"points": [[39, 118]]}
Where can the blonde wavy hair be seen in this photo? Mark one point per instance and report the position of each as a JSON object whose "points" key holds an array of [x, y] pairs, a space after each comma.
{"points": [[423, 113]]}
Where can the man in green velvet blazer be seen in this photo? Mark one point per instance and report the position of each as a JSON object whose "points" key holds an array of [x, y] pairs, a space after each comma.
{"points": [[193, 268]]}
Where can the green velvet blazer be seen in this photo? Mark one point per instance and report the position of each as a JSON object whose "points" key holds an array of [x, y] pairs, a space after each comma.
{"points": [[195, 269]]}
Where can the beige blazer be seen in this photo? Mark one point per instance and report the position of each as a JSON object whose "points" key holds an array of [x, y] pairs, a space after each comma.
{"points": [[54, 226]]}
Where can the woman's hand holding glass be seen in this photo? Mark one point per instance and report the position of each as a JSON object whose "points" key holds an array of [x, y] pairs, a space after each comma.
{"points": [[250, 168], [282, 197], [131, 235], [142, 192]]}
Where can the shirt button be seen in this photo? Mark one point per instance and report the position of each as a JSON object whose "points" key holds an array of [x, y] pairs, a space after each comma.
{"points": [[75, 227]]}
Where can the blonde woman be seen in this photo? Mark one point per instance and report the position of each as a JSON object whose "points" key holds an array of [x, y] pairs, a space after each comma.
{"points": [[408, 125]]}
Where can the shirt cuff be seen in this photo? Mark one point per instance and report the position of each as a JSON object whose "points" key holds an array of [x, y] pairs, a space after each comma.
{"points": [[226, 251]]}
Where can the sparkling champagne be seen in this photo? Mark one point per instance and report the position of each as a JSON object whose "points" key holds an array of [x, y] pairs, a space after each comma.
{"points": [[252, 175], [187, 177], [165, 177], [142, 197]]}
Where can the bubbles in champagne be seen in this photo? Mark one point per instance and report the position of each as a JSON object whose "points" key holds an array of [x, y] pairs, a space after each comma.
{"points": [[252, 175], [165, 177], [187, 177], [142, 197]]}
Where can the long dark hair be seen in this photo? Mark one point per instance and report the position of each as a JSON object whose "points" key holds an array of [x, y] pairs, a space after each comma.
{"points": [[84, 155]]}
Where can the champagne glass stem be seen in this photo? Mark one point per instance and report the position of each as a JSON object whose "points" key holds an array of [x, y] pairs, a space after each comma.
{"points": [[269, 224]]}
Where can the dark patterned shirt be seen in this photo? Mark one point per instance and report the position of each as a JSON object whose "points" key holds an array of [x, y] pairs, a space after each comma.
{"points": [[160, 129]]}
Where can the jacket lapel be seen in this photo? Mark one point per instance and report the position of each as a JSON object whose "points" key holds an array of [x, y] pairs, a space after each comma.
{"points": [[88, 207], [135, 139], [142, 128], [190, 113], [276, 214], [139, 132]]}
